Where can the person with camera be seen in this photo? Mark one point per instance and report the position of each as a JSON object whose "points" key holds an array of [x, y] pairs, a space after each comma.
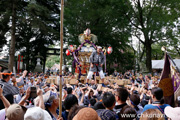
{"points": [[8, 88], [157, 100]]}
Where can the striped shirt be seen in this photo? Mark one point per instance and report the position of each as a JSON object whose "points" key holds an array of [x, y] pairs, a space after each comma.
{"points": [[8, 88]]}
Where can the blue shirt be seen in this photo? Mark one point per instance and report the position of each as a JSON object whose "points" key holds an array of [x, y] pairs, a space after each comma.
{"points": [[53, 118], [65, 115], [150, 106]]}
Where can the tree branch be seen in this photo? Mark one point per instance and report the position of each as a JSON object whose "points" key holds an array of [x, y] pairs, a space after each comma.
{"points": [[158, 40], [152, 32], [177, 49], [134, 17], [140, 59], [132, 22], [150, 12], [140, 14], [139, 38]]}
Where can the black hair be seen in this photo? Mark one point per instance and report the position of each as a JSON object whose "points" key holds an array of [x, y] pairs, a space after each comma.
{"points": [[89, 97], [6, 76], [143, 103], [48, 84], [136, 85], [92, 101], [158, 93], [135, 100], [108, 99], [135, 92], [149, 77], [74, 110], [9, 97], [70, 101], [100, 92], [69, 90], [127, 110], [98, 105], [122, 94]]}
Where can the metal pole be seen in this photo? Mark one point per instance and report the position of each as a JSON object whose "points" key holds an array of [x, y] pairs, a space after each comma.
{"points": [[61, 56]]}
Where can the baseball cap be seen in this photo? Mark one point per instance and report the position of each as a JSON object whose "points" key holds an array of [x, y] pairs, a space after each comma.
{"points": [[36, 113], [173, 113], [87, 114], [15, 112]]}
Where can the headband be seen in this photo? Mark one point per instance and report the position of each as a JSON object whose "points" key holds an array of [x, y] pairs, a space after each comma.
{"points": [[99, 47], [6, 73], [132, 102]]}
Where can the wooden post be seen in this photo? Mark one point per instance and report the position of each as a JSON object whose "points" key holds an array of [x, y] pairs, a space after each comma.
{"points": [[61, 56]]}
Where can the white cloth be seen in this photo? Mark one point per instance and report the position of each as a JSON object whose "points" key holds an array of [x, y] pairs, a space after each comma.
{"points": [[36, 113], [17, 98], [90, 74], [2, 114]]}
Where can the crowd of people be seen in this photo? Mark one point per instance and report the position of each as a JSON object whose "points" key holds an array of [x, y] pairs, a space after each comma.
{"points": [[28, 96]]}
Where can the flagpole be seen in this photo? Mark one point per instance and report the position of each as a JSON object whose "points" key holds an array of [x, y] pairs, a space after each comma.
{"points": [[164, 49], [173, 62], [61, 56]]}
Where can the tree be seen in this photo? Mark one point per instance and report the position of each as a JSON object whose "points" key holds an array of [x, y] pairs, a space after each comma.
{"points": [[37, 28], [104, 20], [152, 21], [34, 26], [44, 19], [13, 39], [4, 19], [10, 12], [51, 60]]}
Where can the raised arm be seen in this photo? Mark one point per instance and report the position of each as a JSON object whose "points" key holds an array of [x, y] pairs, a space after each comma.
{"points": [[41, 101], [22, 77], [4, 100], [24, 98]]}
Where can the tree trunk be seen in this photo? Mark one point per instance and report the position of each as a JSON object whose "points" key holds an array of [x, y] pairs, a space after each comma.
{"points": [[13, 39], [148, 56], [27, 53], [44, 61]]}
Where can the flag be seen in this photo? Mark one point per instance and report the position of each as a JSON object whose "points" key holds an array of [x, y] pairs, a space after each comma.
{"points": [[166, 83], [176, 84]]}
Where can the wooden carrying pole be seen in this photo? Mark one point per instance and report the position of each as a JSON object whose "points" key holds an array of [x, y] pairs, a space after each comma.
{"points": [[61, 56]]}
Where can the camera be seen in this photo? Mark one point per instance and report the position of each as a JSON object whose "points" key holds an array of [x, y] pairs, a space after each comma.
{"points": [[33, 93]]}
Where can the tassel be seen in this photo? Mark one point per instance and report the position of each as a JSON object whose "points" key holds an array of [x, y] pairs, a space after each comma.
{"points": [[174, 83]]}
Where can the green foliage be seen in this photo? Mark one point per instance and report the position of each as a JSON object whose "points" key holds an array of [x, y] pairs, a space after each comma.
{"points": [[104, 19], [4, 20], [157, 54], [153, 21], [51, 60]]}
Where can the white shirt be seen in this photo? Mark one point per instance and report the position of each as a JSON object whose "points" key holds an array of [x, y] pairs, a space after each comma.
{"points": [[2, 114], [17, 98]]}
